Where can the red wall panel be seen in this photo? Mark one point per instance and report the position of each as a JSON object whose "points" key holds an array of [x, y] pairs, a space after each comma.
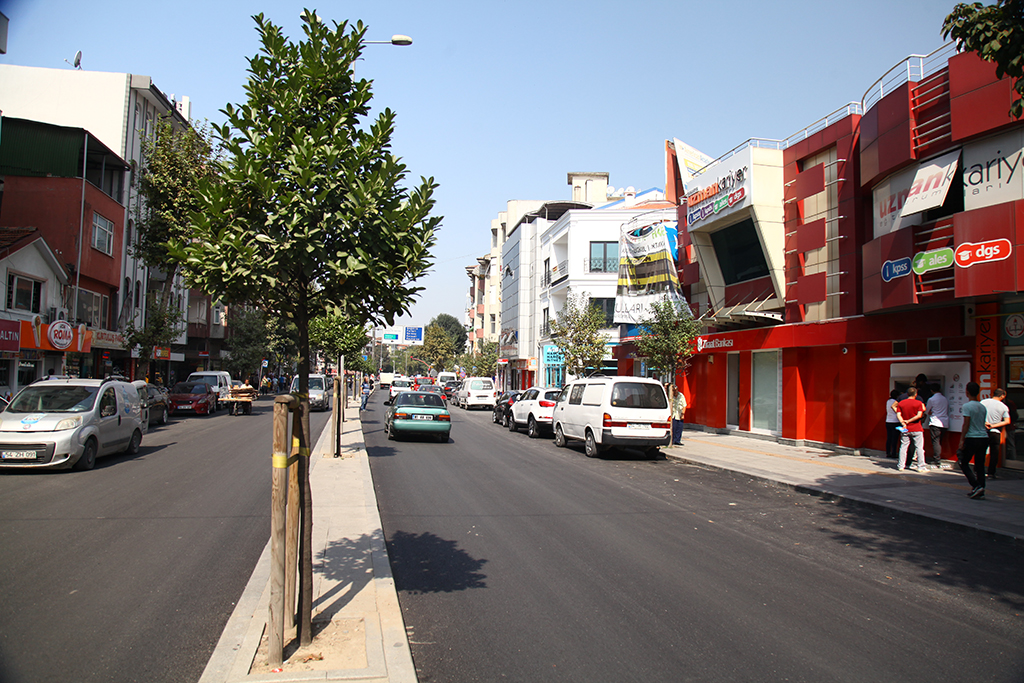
{"points": [[981, 225]]}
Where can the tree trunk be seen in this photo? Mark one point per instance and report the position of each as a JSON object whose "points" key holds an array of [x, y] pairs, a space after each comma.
{"points": [[305, 622]]}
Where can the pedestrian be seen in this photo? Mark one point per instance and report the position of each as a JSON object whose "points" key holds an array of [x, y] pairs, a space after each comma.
{"points": [[366, 394], [973, 442], [910, 412], [677, 403], [892, 426], [998, 416], [937, 409], [1011, 430]]}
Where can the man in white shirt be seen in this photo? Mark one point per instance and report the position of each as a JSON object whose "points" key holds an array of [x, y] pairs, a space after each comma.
{"points": [[998, 416], [937, 410]]}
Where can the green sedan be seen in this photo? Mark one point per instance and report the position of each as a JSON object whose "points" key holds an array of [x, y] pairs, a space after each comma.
{"points": [[418, 412]]}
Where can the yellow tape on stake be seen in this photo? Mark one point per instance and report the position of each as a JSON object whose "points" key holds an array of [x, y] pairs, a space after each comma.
{"points": [[281, 461]]}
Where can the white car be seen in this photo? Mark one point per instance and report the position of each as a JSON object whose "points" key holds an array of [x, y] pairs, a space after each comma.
{"points": [[398, 385], [614, 411], [533, 409], [320, 389], [478, 392]]}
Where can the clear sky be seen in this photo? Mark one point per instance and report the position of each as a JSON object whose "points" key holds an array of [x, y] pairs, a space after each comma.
{"points": [[499, 100]]}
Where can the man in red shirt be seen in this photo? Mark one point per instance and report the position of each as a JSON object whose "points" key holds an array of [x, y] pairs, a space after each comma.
{"points": [[910, 411]]}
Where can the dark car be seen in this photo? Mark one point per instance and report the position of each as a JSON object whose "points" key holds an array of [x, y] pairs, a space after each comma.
{"points": [[434, 389], [159, 401], [450, 387], [502, 405], [193, 397]]}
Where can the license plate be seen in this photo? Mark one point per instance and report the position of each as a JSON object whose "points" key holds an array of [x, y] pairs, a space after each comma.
{"points": [[184, 407], [423, 417], [637, 425], [18, 455]]}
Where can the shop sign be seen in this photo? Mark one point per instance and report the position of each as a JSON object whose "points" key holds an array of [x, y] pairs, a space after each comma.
{"points": [[986, 356], [553, 355], [703, 344], [936, 259], [1014, 326], [107, 339], [887, 200], [10, 335], [719, 188], [60, 335], [503, 361], [994, 170], [931, 183], [894, 269], [164, 353], [968, 254]]}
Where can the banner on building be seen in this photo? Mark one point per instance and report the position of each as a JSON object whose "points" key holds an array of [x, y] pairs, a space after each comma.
{"points": [[647, 269], [690, 160]]}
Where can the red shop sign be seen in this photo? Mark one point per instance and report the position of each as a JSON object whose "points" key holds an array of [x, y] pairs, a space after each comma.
{"points": [[968, 254]]}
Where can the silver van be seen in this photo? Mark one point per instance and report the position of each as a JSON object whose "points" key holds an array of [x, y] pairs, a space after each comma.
{"points": [[218, 379], [69, 422], [605, 411]]}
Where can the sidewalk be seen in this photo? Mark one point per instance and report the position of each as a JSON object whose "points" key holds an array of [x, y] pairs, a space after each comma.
{"points": [[357, 622], [937, 494]]}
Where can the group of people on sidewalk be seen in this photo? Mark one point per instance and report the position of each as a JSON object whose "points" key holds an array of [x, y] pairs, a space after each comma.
{"points": [[982, 432]]}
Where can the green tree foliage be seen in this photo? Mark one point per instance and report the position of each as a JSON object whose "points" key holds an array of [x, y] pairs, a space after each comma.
{"points": [[163, 324], [996, 33], [487, 360], [248, 343], [577, 331], [282, 345], [456, 330], [310, 211], [438, 347], [667, 337], [338, 336]]}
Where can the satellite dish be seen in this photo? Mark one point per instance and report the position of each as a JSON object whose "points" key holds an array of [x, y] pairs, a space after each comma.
{"points": [[78, 59]]}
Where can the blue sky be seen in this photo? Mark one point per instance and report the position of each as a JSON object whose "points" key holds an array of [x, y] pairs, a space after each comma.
{"points": [[499, 100]]}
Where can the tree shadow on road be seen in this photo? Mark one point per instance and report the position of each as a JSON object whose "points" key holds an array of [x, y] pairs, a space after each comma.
{"points": [[425, 563], [347, 564]]}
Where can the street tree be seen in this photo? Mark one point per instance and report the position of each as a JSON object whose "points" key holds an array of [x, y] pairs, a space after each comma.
{"points": [[438, 347], [177, 159], [668, 335], [337, 337], [456, 330], [577, 332], [248, 342], [310, 212], [487, 360], [996, 33]]}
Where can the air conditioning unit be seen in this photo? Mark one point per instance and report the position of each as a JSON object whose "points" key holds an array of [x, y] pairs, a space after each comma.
{"points": [[62, 314]]}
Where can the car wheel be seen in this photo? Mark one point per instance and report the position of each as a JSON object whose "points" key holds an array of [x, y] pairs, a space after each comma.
{"points": [[163, 417], [559, 437], [442, 438], [532, 428], [88, 459], [389, 432], [494, 416], [133, 445], [512, 426], [590, 445]]}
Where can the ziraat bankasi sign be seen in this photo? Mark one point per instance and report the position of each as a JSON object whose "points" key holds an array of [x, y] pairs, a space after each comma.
{"points": [[705, 344]]}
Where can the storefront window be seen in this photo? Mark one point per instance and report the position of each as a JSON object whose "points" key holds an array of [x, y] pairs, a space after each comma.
{"points": [[764, 392], [27, 372]]}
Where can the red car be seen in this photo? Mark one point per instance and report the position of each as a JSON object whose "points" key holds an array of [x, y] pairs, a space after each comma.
{"points": [[192, 397]]}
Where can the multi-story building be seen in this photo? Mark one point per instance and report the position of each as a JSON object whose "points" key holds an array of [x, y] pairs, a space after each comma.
{"points": [[876, 245], [67, 187], [120, 110]]}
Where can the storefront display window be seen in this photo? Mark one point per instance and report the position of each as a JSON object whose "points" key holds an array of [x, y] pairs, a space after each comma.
{"points": [[27, 372], [764, 399]]}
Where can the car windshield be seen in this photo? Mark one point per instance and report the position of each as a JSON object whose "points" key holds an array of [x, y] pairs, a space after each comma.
{"points": [[552, 394], [416, 399], [638, 395], [430, 387], [481, 384], [316, 383], [53, 399], [401, 383], [189, 388]]}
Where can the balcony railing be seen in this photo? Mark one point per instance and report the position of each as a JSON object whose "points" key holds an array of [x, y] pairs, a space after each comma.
{"points": [[601, 265]]}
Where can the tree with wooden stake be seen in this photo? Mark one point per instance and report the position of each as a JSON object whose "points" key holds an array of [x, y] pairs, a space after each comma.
{"points": [[668, 336], [308, 214]]}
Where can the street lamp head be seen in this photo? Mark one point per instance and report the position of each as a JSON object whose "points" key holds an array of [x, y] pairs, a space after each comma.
{"points": [[399, 39]]}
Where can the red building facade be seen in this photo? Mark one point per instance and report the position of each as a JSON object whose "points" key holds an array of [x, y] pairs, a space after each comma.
{"points": [[884, 242]]}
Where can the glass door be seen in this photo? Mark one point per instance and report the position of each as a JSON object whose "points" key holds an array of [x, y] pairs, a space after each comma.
{"points": [[732, 414], [764, 391]]}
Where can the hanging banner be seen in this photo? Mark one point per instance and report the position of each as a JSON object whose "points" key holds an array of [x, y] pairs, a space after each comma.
{"points": [[647, 270], [690, 161]]}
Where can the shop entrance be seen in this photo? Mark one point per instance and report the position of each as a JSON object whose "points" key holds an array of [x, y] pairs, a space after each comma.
{"points": [[764, 391], [1013, 451], [732, 399]]}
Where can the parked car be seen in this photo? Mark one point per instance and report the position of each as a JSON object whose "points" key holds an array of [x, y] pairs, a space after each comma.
{"points": [[69, 422], [197, 398], [320, 390], [398, 385], [533, 409], [156, 401], [218, 379], [418, 412], [613, 411], [501, 407], [476, 391]]}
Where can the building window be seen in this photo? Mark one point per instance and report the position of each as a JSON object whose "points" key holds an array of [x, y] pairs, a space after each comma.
{"points": [[24, 294], [494, 323], [607, 307], [102, 234], [604, 257], [739, 253], [93, 308]]}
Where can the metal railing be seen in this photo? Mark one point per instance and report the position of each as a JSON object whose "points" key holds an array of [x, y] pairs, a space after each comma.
{"points": [[912, 69], [601, 265]]}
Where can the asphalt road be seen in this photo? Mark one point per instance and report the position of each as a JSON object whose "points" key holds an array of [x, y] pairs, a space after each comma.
{"points": [[519, 561], [130, 571]]}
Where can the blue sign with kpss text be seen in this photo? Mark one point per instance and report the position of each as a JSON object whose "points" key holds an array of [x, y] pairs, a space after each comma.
{"points": [[894, 269]]}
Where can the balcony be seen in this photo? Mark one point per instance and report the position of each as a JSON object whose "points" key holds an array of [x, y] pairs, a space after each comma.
{"points": [[601, 265]]}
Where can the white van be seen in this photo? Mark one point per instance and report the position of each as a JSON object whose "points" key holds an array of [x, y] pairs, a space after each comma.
{"points": [[69, 422], [606, 411], [445, 377], [476, 391], [218, 379]]}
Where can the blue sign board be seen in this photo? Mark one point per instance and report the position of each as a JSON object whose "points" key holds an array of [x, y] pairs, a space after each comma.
{"points": [[894, 269], [414, 334]]}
